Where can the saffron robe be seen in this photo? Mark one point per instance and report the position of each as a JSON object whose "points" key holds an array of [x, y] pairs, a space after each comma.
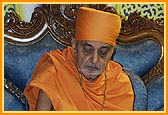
{"points": [[57, 75]]}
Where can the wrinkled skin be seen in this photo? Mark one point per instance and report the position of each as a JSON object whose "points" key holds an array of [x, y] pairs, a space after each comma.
{"points": [[91, 57]]}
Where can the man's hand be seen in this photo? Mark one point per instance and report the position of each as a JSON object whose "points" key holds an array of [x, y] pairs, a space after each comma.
{"points": [[43, 103]]}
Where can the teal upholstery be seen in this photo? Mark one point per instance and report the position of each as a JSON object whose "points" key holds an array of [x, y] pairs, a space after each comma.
{"points": [[140, 101], [11, 103], [139, 57], [155, 89], [20, 61]]}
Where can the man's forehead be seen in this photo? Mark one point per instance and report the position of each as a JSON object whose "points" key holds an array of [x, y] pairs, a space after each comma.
{"points": [[94, 43]]}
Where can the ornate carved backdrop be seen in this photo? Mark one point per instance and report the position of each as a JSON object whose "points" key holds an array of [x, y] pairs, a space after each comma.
{"points": [[58, 19], [24, 10], [151, 11]]}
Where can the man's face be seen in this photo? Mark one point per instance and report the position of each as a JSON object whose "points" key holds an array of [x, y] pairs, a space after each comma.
{"points": [[92, 57]]}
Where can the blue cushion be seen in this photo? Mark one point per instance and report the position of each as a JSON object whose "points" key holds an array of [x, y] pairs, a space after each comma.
{"points": [[155, 90], [139, 57], [11, 103], [140, 101], [20, 61]]}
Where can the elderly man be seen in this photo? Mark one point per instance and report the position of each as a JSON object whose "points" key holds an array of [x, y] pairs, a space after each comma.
{"points": [[82, 77]]}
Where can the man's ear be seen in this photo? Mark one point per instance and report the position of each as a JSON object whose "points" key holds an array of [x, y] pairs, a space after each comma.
{"points": [[74, 43]]}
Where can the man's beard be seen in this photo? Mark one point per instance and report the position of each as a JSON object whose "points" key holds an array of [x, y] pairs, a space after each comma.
{"points": [[90, 74]]}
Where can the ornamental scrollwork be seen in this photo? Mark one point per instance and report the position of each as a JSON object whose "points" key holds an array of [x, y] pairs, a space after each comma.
{"points": [[21, 32], [8, 8], [62, 20], [151, 11]]}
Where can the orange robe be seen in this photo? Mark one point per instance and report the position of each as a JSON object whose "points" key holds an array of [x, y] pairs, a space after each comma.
{"points": [[57, 75]]}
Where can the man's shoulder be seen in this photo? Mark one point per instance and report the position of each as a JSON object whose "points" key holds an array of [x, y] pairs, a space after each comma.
{"points": [[116, 67], [113, 64], [120, 75], [59, 55], [59, 51], [55, 51]]}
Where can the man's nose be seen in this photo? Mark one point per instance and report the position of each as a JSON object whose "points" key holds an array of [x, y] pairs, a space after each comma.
{"points": [[95, 57]]}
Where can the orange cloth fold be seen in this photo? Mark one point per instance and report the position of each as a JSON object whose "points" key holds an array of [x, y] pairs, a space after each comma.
{"points": [[96, 25], [57, 75]]}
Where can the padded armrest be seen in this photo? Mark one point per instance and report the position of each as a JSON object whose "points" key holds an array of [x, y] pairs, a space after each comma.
{"points": [[155, 90], [139, 57], [140, 101]]}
